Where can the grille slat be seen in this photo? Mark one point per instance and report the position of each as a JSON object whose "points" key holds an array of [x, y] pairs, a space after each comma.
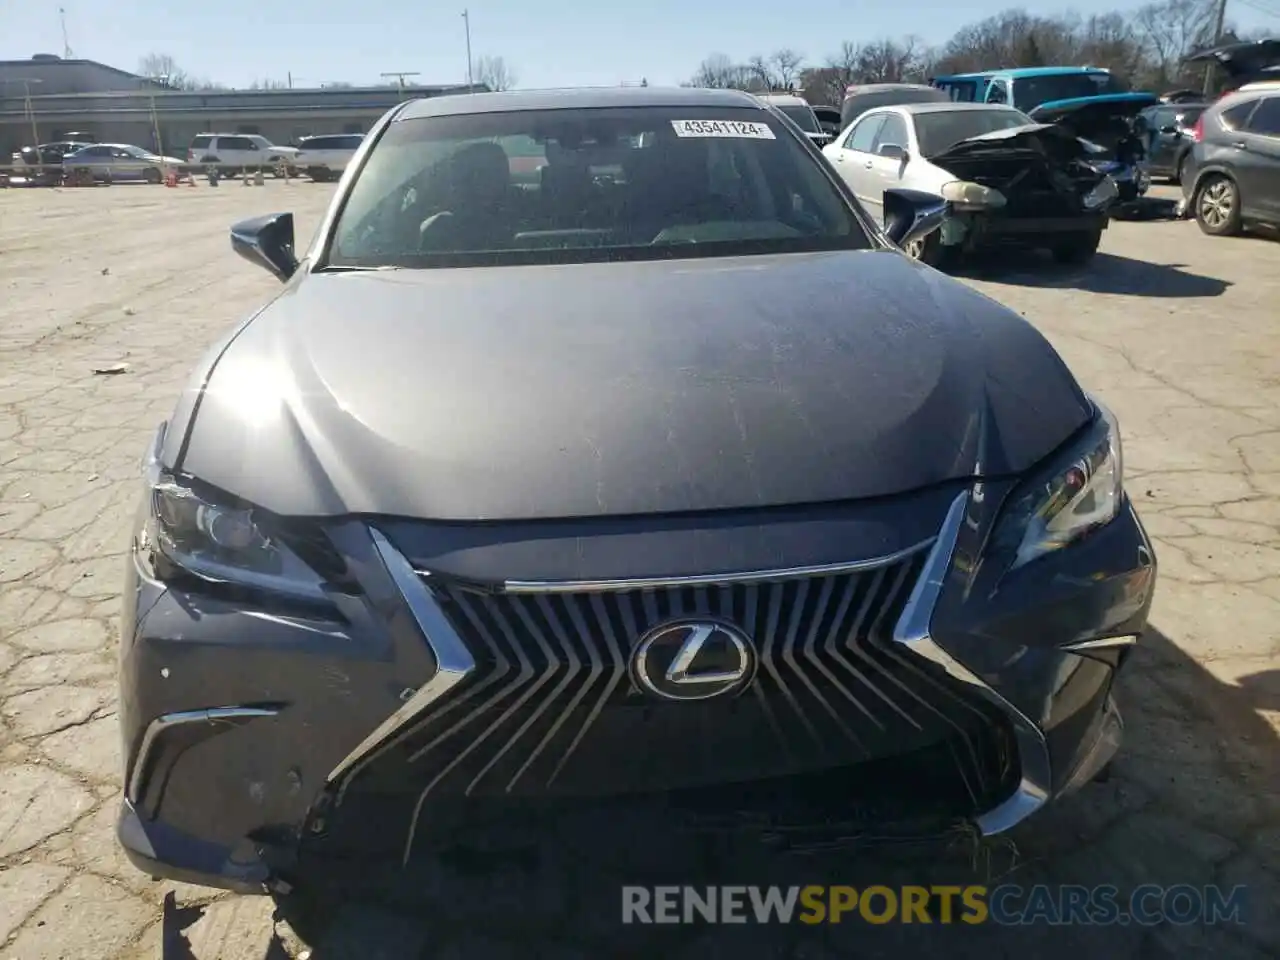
{"points": [[552, 708]]}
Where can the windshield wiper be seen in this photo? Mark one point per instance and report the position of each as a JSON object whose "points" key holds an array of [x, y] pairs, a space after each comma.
{"points": [[347, 268]]}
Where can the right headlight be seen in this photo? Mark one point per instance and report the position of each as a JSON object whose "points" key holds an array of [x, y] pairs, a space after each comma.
{"points": [[1078, 492], [1102, 194], [972, 196]]}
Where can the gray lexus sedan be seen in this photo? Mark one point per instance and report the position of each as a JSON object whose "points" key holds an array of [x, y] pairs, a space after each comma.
{"points": [[601, 445]]}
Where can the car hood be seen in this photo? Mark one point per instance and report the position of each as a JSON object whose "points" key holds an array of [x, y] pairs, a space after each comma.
{"points": [[1049, 137], [590, 390], [1086, 115], [1243, 60]]}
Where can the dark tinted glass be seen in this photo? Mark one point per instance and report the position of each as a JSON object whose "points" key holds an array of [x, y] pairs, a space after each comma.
{"points": [[938, 132], [1266, 119], [576, 185]]}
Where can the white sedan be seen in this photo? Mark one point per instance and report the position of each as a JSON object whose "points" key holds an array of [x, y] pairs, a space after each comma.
{"points": [[1008, 179]]}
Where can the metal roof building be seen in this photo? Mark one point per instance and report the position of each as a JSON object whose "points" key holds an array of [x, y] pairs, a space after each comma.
{"points": [[61, 96]]}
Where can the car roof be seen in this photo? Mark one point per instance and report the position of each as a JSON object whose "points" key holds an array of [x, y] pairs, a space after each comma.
{"points": [[857, 89], [1017, 73], [790, 99], [585, 98], [948, 106]]}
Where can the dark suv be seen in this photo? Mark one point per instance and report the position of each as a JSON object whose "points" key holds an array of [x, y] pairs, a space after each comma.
{"points": [[1231, 177]]}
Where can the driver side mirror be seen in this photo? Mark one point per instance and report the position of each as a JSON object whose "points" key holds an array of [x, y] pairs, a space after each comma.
{"points": [[268, 243], [1168, 129], [911, 215], [893, 151]]}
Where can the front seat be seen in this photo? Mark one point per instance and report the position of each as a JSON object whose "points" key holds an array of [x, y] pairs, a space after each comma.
{"points": [[476, 208]]}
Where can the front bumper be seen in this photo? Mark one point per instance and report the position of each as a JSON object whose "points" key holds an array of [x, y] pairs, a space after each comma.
{"points": [[976, 230], [247, 730]]}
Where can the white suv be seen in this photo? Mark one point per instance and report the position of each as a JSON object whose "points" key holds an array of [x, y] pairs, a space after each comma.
{"points": [[325, 157], [232, 153]]}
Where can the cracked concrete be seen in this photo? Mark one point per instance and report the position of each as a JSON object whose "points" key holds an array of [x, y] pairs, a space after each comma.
{"points": [[1175, 331]]}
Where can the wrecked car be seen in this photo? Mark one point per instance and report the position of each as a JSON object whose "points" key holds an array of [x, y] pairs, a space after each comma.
{"points": [[1008, 179], [1245, 64], [1106, 124]]}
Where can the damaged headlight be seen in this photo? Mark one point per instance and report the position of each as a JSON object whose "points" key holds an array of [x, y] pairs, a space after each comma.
{"points": [[185, 530], [1102, 194], [964, 195], [1079, 492]]}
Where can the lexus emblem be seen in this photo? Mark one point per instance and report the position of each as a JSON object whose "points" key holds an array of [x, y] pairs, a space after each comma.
{"points": [[693, 660]]}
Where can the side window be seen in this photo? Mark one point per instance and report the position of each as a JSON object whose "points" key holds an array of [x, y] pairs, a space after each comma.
{"points": [[1266, 119], [238, 143], [863, 134], [892, 133], [201, 143], [353, 141], [998, 92], [1235, 117], [98, 152]]}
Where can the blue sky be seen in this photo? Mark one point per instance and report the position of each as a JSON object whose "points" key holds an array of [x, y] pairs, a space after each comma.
{"points": [[545, 42]]}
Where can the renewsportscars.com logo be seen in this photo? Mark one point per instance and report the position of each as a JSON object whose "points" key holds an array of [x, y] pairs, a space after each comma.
{"points": [[1006, 905]]}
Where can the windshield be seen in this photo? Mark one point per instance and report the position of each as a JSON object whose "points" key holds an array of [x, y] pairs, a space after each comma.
{"points": [[1031, 92], [802, 116], [564, 186], [938, 132]]}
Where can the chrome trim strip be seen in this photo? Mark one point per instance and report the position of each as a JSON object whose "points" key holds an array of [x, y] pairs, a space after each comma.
{"points": [[708, 579], [1101, 643], [912, 632], [454, 662], [169, 720]]}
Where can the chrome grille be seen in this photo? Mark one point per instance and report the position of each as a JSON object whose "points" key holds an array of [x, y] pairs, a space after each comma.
{"points": [[551, 708]]}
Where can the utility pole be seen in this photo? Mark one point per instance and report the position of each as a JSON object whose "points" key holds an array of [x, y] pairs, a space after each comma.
{"points": [[29, 113], [466, 19], [1219, 21], [66, 46], [163, 79]]}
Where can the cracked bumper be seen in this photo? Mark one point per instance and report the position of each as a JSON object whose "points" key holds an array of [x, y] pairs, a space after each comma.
{"points": [[237, 720]]}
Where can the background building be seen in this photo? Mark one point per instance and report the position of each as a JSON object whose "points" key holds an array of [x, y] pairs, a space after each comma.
{"points": [[115, 106]]}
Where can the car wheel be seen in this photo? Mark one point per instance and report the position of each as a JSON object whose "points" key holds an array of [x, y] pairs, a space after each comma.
{"points": [[152, 176], [1078, 248], [318, 174], [1217, 206], [928, 250]]}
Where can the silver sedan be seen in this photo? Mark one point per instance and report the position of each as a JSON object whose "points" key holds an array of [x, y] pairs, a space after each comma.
{"points": [[118, 161]]}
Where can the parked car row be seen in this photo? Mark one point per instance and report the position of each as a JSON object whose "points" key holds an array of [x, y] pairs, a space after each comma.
{"points": [[80, 159]]}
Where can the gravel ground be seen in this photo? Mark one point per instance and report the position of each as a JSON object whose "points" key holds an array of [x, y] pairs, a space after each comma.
{"points": [[1171, 328]]}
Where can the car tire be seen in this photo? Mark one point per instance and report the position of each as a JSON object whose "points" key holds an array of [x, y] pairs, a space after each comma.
{"points": [[928, 250], [318, 174], [1078, 248], [152, 176], [1217, 206]]}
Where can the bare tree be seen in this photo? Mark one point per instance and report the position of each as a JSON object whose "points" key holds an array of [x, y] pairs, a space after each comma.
{"points": [[163, 69], [786, 68], [719, 72], [1170, 31], [494, 73], [761, 77]]}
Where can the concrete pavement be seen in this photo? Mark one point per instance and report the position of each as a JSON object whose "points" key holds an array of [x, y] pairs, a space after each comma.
{"points": [[107, 297]]}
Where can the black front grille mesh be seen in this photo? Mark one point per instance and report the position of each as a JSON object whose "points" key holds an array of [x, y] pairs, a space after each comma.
{"points": [[551, 708]]}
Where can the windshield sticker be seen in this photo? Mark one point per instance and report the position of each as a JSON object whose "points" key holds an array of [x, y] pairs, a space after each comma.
{"points": [[722, 128]]}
